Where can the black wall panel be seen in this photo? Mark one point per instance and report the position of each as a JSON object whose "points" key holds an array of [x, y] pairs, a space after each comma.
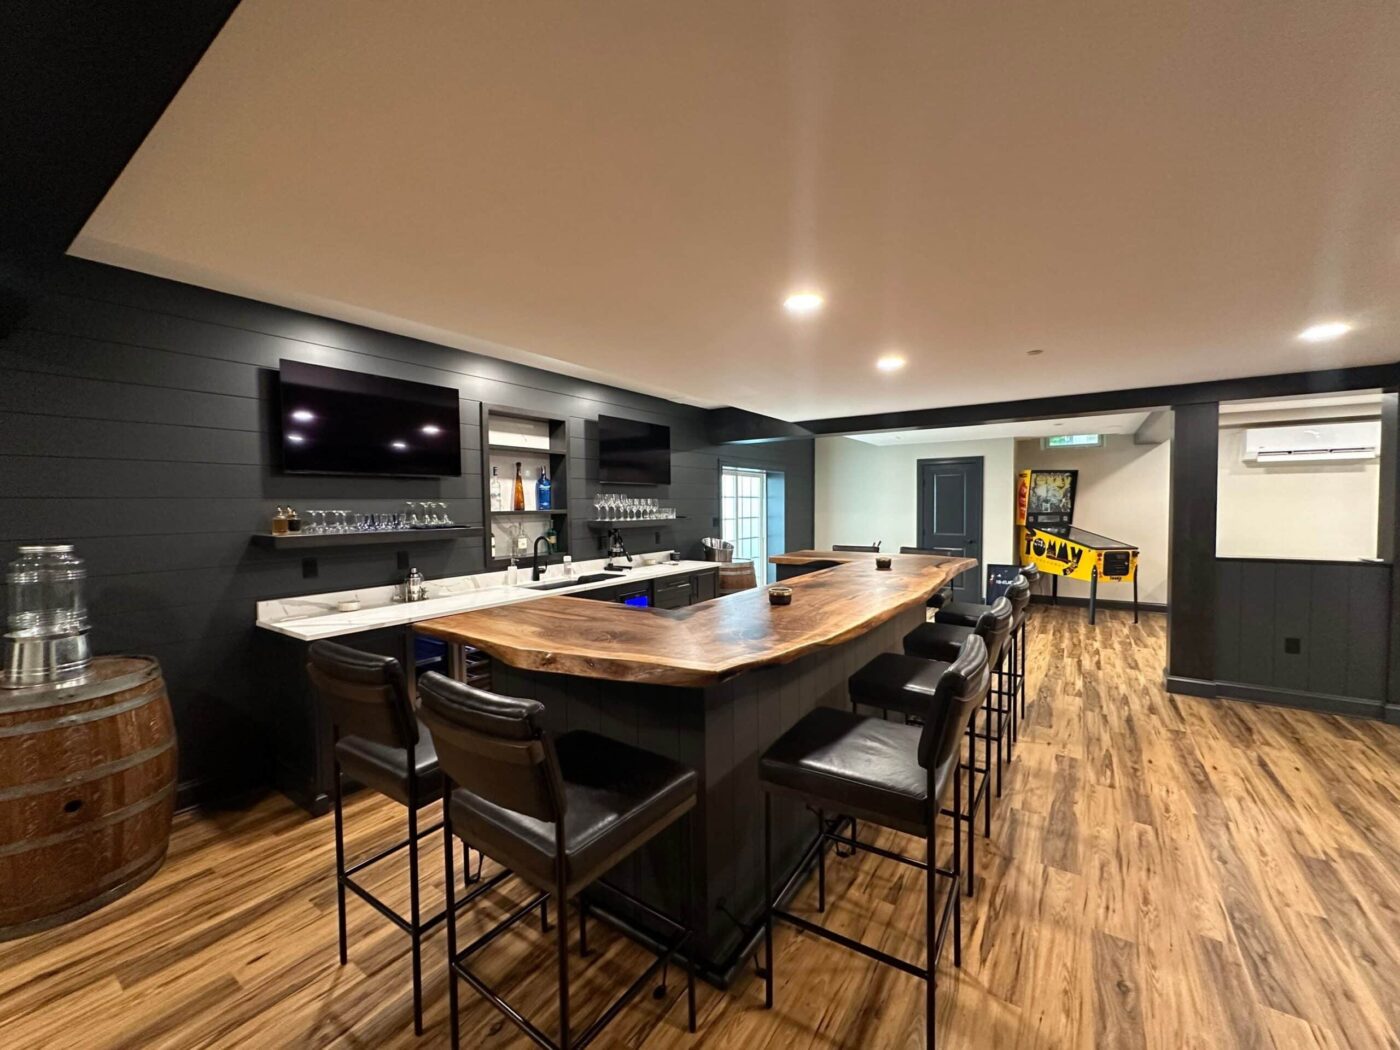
{"points": [[1334, 614], [134, 421]]}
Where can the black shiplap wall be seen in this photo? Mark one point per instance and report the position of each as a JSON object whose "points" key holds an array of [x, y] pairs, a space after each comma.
{"points": [[1337, 612], [135, 422]]}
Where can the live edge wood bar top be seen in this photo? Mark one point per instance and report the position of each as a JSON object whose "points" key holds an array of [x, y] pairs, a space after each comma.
{"points": [[705, 643]]}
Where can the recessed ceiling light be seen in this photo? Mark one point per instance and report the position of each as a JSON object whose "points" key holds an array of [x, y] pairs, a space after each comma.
{"points": [[890, 363], [1034, 353], [398, 445], [1324, 332], [430, 428], [803, 304], [295, 439], [303, 415]]}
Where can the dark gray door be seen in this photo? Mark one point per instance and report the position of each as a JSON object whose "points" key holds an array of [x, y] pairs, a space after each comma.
{"points": [[950, 516]]}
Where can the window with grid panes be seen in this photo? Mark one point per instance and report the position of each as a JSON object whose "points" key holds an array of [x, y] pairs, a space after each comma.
{"points": [[744, 515]]}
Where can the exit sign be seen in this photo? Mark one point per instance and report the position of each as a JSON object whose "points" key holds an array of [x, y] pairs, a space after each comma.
{"points": [[1072, 441]]}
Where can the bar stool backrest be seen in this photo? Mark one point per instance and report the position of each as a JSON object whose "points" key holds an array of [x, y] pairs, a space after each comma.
{"points": [[1031, 573], [994, 628], [960, 691], [364, 694], [1019, 595], [871, 548], [494, 746]]}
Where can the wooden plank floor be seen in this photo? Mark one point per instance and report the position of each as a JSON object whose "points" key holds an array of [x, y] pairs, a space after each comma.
{"points": [[1165, 873]]}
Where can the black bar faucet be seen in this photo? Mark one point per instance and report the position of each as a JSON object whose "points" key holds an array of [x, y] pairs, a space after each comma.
{"points": [[535, 573]]}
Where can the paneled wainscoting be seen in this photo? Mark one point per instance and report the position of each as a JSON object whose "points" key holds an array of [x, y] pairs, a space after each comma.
{"points": [[1166, 872]]}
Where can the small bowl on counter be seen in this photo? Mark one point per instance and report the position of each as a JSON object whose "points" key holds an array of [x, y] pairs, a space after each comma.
{"points": [[780, 594], [884, 561]]}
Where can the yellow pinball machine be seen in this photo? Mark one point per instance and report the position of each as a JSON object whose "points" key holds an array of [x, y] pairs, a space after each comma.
{"points": [[1050, 541]]}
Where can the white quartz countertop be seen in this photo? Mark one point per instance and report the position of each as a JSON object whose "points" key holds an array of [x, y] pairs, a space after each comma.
{"points": [[315, 616]]}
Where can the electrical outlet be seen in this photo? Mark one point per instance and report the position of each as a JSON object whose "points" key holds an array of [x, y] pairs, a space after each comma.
{"points": [[309, 569], [403, 562], [1293, 646]]}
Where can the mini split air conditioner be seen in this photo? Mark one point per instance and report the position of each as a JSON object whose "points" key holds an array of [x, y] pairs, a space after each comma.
{"points": [[1360, 439]]}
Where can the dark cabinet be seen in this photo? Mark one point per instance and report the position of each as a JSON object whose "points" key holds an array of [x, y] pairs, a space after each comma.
{"points": [[704, 585], [671, 593]]}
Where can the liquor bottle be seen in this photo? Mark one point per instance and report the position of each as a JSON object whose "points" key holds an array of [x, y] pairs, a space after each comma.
{"points": [[552, 538], [279, 523], [496, 503], [519, 501], [544, 490], [293, 522]]}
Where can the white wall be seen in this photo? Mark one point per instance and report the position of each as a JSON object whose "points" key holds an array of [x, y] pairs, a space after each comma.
{"points": [[870, 492], [1301, 510], [1123, 493]]}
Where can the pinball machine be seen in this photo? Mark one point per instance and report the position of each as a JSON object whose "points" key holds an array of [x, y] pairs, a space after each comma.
{"points": [[1051, 542]]}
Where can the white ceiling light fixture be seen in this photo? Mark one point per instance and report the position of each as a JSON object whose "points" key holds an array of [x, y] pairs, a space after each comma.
{"points": [[398, 446], [803, 304], [891, 363], [430, 429], [1324, 332], [303, 415]]}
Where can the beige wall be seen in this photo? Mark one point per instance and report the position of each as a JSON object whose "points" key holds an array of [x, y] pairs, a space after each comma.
{"points": [[1123, 493], [1301, 510], [870, 492]]}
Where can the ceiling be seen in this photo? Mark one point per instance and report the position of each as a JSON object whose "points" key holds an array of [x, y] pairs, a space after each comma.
{"points": [[1150, 194], [1116, 423]]}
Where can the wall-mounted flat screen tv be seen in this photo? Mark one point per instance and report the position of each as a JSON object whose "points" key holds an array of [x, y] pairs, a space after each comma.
{"points": [[339, 422], [633, 453]]}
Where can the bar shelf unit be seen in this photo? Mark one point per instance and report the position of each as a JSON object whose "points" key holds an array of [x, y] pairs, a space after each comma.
{"points": [[310, 541], [516, 435]]}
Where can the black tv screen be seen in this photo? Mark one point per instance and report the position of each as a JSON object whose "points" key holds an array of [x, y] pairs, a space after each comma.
{"points": [[339, 422], [633, 453]]}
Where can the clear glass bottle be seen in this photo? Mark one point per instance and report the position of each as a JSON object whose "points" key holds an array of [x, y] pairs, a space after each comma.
{"points": [[496, 503], [544, 491]]}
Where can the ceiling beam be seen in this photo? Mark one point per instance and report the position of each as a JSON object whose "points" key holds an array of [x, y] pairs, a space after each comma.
{"points": [[1104, 402]]}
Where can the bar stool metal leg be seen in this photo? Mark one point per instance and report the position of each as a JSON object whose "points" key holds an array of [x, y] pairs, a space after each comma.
{"points": [[971, 813], [821, 861], [768, 899], [340, 863], [931, 931], [692, 912], [451, 920], [416, 934]]}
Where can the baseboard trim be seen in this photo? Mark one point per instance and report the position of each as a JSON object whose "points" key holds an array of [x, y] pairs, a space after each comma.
{"points": [[1392, 714], [1324, 702], [1191, 686], [1103, 603]]}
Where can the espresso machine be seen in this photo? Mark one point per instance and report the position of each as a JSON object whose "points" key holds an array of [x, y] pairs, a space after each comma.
{"points": [[616, 549]]}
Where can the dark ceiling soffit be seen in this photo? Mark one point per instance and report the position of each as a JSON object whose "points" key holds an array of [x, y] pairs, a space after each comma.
{"points": [[754, 427], [84, 84], [734, 426]]}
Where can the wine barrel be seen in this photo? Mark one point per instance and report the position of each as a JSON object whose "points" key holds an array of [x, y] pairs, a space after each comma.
{"points": [[87, 791], [736, 576]]}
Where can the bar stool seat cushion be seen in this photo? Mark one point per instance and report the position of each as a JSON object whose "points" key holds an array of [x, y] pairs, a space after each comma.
{"points": [[856, 766], [616, 797], [936, 641], [897, 682], [385, 768]]}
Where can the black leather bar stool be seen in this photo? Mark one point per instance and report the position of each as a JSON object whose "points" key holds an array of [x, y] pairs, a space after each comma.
{"points": [[903, 682], [940, 641], [887, 773], [378, 741], [965, 614], [561, 813]]}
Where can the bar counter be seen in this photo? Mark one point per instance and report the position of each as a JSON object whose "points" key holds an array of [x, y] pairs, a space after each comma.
{"points": [[711, 685]]}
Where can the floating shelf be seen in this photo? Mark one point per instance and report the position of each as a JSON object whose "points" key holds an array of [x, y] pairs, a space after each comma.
{"points": [[633, 523], [523, 450], [308, 541], [529, 513]]}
